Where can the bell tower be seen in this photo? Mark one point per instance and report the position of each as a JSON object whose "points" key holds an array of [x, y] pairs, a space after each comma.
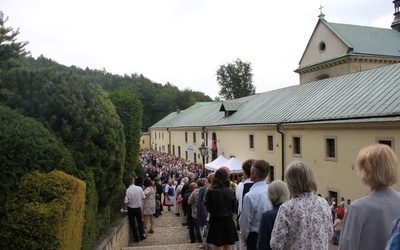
{"points": [[396, 22]]}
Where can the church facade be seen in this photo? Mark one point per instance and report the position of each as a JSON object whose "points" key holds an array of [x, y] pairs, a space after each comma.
{"points": [[348, 98]]}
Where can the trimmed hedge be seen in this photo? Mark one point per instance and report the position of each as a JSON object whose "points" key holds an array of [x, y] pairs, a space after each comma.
{"points": [[90, 226], [26, 145], [45, 212]]}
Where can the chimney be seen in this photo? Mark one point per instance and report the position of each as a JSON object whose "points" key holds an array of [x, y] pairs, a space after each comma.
{"points": [[396, 21]]}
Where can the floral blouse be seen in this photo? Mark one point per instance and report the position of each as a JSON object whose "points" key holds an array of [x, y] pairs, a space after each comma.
{"points": [[304, 222]]}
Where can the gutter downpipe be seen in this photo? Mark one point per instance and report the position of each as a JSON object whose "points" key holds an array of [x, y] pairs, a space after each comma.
{"points": [[278, 127], [169, 141]]}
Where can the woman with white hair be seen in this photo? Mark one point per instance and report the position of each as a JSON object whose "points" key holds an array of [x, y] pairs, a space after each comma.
{"points": [[278, 193], [368, 220], [305, 221]]}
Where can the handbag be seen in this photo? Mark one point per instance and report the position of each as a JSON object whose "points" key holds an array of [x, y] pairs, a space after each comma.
{"points": [[205, 231]]}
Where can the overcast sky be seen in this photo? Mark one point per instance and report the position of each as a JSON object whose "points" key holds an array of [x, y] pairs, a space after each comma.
{"points": [[184, 42]]}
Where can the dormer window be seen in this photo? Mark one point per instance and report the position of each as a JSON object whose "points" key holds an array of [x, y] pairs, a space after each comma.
{"points": [[229, 113], [322, 47], [230, 107], [323, 76]]}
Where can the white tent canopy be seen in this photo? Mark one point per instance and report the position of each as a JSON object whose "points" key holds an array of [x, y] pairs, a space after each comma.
{"points": [[215, 164], [234, 165]]}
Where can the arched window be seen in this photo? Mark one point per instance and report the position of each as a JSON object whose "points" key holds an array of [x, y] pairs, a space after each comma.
{"points": [[321, 46]]}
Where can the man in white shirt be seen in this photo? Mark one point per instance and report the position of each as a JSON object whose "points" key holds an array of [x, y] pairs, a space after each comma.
{"points": [[255, 202], [246, 166], [133, 202], [241, 190]]}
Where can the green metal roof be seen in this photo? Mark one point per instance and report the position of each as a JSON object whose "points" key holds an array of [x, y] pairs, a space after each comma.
{"points": [[370, 95], [367, 40], [199, 114]]}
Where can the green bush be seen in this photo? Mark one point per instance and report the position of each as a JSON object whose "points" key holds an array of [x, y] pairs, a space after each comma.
{"points": [[80, 113], [45, 212], [89, 229], [103, 220], [25, 145], [119, 201], [130, 110]]}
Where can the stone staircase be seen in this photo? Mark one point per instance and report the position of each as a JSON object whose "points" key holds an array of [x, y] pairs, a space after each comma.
{"points": [[168, 234]]}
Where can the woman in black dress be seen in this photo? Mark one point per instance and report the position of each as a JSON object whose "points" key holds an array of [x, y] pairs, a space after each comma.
{"points": [[221, 203]]}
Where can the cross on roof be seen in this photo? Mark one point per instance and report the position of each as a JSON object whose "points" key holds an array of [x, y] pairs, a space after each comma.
{"points": [[320, 8]]}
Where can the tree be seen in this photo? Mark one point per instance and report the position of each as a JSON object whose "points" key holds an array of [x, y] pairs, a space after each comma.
{"points": [[235, 80], [10, 49], [80, 113], [26, 145], [130, 110], [158, 100]]}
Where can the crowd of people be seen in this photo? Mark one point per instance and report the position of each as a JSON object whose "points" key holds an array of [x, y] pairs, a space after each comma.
{"points": [[222, 214], [166, 167]]}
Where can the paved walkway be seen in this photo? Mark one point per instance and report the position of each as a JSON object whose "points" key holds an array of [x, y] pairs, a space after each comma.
{"points": [[169, 234]]}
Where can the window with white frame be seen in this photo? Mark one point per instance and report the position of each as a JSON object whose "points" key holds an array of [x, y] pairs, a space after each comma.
{"points": [[251, 141], [386, 140], [270, 143], [271, 174], [330, 148], [296, 146]]}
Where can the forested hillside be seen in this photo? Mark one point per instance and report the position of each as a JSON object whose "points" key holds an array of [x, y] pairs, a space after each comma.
{"points": [[158, 100]]}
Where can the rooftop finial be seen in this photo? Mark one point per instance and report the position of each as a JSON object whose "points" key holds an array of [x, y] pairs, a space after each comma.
{"points": [[396, 22], [321, 15]]}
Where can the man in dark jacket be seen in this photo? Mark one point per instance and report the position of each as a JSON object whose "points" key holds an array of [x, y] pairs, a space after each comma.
{"points": [[187, 209], [159, 191], [186, 186]]}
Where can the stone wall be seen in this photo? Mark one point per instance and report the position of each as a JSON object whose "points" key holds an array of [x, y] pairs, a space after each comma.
{"points": [[117, 237]]}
